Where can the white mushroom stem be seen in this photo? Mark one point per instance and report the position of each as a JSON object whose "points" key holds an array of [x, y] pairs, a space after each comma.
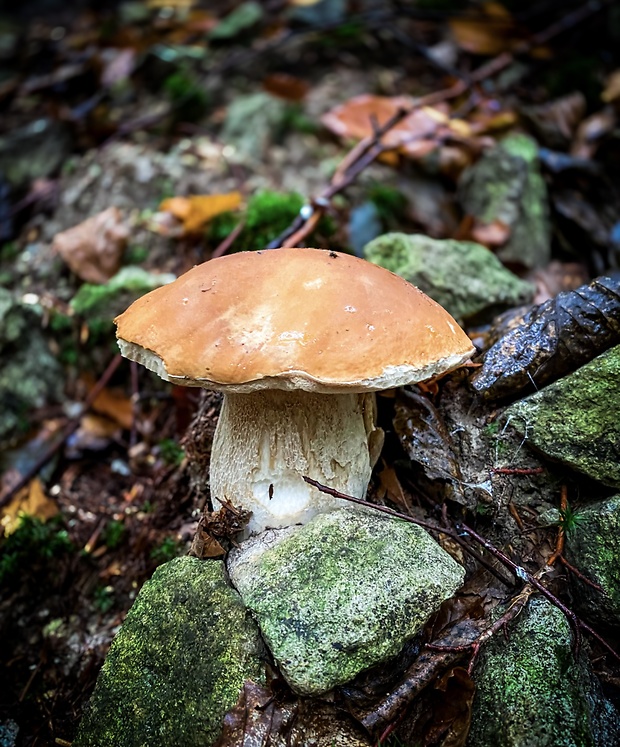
{"points": [[267, 440]]}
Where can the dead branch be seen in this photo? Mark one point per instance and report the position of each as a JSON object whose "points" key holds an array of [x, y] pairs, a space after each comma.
{"points": [[459, 529]]}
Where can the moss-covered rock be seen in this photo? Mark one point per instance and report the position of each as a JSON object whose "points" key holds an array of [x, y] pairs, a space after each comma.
{"points": [[30, 376], [464, 277], [593, 546], [342, 593], [530, 691], [253, 123], [575, 420], [178, 663], [506, 185]]}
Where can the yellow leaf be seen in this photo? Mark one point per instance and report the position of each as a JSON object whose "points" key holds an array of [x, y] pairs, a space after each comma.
{"points": [[31, 501], [197, 210]]}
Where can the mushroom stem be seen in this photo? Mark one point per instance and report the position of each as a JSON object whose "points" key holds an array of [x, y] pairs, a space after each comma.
{"points": [[267, 440]]}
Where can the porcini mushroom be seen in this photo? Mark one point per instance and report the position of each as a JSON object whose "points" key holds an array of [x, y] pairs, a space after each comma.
{"points": [[298, 341]]}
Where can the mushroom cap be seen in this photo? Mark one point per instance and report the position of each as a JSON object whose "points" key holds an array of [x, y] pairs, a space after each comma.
{"points": [[291, 319]]}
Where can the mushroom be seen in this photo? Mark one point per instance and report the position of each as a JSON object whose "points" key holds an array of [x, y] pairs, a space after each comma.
{"points": [[298, 341]]}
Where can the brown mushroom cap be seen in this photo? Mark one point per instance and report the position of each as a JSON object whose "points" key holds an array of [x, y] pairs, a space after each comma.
{"points": [[291, 319]]}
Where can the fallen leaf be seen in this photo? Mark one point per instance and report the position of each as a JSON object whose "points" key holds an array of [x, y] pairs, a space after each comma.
{"points": [[31, 501], [489, 30], [612, 88], [492, 235], [392, 489], [197, 210], [286, 86], [93, 249], [414, 136], [116, 406]]}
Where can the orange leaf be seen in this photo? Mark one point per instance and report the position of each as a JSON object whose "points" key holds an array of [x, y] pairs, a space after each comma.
{"points": [[197, 210], [414, 136]]}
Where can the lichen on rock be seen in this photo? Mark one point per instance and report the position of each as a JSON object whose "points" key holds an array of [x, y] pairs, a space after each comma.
{"points": [[505, 186], [464, 277], [342, 593]]}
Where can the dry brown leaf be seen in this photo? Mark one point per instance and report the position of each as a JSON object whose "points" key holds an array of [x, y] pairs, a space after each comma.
{"points": [[612, 88], [116, 406], [414, 136], [197, 210], [31, 501], [94, 249], [286, 86], [490, 30], [492, 235]]}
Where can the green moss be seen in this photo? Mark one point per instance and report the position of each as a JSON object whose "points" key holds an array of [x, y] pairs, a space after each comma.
{"points": [[33, 542], [594, 547], [268, 214], [390, 203], [187, 94], [168, 550], [9, 251], [171, 452], [114, 534], [135, 254], [574, 420]]}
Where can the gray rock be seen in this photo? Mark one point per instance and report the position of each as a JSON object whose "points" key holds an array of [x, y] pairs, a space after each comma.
{"points": [[342, 593], [30, 376], [506, 185], [34, 151], [177, 665], [530, 691], [251, 123], [593, 546], [464, 277], [575, 420]]}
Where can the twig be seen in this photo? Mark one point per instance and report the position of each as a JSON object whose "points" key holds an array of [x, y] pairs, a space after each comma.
{"points": [[383, 509], [369, 149], [426, 668], [559, 548], [517, 471], [420, 674], [225, 245], [71, 426], [581, 577]]}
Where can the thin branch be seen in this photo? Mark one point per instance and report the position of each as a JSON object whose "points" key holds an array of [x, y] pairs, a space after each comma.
{"points": [[461, 528]]}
